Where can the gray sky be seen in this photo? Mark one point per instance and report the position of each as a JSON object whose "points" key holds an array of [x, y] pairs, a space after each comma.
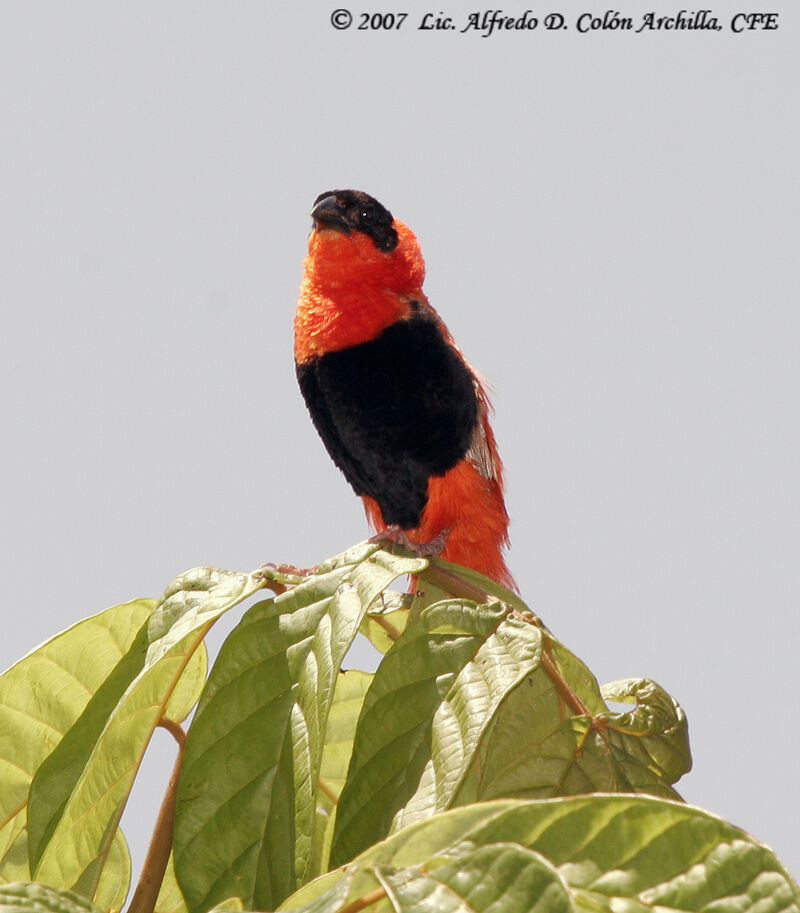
{"points": [[609, 222]]}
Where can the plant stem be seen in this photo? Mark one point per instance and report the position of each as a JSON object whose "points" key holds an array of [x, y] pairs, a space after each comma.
{"points": [[328, 791], [387, 626], [455, 585], [366, 900], [566, 693], [155, 863], [173, 729]]}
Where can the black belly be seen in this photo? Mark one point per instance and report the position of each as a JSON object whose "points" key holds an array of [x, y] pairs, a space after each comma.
{"points": [[393, 412]]}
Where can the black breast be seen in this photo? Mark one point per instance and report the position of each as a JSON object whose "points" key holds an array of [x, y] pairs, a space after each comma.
{"points": [[393, 412]]}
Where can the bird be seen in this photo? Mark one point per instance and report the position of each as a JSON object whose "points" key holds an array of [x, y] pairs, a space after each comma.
{"points": [[399, 409]]}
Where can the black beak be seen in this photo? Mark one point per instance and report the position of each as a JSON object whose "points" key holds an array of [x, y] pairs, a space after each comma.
{"points": [[327, 213]]}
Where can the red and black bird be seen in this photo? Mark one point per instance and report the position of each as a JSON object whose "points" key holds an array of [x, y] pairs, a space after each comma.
{"points": [[399, 409]]}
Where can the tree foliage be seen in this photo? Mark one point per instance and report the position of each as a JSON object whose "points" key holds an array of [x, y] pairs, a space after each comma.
{"points": [[479, 767]]}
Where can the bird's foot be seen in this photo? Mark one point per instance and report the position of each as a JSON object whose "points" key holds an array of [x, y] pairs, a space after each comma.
{"points": [[431, 549]]}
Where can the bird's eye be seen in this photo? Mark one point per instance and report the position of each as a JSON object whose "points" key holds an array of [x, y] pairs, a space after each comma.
{"points": [[367, 215]]}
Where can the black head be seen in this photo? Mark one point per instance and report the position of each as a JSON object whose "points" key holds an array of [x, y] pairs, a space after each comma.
{"points": [[352, 210]]}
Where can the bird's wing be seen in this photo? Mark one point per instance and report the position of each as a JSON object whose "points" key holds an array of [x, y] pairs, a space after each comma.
{"points": [[482, 448], [326, 426]]}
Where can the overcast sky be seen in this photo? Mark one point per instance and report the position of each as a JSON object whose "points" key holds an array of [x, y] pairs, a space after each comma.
{"points": [[610, 224]]}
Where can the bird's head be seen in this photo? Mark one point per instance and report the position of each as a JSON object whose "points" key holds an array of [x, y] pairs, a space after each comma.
{"points": [[356, 242], [347, 211]]}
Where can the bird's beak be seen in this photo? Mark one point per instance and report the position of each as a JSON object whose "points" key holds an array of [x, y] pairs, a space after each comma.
{"points": [[327, 213]]}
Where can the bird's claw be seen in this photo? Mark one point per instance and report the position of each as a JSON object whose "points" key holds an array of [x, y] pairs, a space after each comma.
{"points": [[431, 549], [292, 569]]}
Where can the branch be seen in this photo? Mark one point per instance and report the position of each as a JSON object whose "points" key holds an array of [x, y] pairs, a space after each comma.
{"points": [[387, 626], [155, 863], [566, 693], [174, 730], [366, 900], [328, 791], [455, 585]]}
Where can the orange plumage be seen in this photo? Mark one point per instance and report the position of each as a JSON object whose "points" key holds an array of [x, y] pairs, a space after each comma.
{"points": [[398, 407]]}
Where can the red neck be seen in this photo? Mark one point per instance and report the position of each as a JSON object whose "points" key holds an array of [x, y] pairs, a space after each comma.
{"points": [[351, 291]]}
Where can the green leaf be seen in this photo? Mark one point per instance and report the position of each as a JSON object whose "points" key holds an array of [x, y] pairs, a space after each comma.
{"points": [[55, 779], [612, 852], [386, 620], [29, 897], [422, 718], [113, 881], [189, 687], [578, 676], [83, 836], [335, 897], [419, 842], [197, 598], [654, 852], [529, 750], [170, 899], [652, 740], [42, 697], [230, 905], [348, 698], [434, 583], [247, 799], [501, 876], [510, 654]]}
